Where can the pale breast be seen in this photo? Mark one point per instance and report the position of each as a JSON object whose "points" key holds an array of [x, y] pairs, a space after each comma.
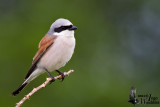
{"points": [[58, 54]]}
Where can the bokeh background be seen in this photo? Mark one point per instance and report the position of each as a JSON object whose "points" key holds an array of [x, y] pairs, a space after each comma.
{"points": [[117, 46]]}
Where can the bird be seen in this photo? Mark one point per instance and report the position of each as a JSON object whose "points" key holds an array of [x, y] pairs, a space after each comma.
{"points": [[132, 96], [55, 50]]}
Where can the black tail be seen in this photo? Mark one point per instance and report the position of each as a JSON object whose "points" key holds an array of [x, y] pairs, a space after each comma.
{"points": [[19, 89]]}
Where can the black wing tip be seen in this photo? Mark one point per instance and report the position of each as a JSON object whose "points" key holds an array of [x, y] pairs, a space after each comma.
{"points": [[19, 89], [33, 67]]}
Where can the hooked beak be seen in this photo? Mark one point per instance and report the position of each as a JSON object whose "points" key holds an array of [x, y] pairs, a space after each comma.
{"points": [[73, 28]]}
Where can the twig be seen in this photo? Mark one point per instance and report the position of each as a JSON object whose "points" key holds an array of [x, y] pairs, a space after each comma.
{"points": [[41, 86]]}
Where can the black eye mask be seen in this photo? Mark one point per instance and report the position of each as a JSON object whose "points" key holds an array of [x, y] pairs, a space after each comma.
{"points": [[62, 28]]}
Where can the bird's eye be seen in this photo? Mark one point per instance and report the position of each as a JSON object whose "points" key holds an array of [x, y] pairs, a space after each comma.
{"points": [[63, 27]]}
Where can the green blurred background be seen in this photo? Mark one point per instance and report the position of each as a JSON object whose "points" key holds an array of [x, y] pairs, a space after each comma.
{"points": [[117, 46]]}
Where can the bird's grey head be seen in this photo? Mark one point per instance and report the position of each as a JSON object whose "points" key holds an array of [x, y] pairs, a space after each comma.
{"points": [[62, 27]]}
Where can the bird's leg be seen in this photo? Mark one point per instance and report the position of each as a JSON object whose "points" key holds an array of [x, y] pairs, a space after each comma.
{"points": [[53, 79], [62, 74]]}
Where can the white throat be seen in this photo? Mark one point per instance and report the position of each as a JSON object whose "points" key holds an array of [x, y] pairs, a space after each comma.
{"points": [[64, 33]]}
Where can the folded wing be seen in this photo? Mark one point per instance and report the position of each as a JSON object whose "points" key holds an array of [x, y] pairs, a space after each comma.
{"points": [[44, 45]]}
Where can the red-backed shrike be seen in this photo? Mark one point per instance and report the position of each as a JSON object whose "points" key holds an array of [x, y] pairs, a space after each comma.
{"points": [[55, 50]]}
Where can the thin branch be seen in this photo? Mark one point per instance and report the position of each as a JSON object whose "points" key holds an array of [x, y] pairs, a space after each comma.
{"points": [[41, 86]]}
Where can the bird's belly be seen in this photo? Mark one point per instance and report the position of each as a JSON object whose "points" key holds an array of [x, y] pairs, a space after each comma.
{"points": [[58, 54]]}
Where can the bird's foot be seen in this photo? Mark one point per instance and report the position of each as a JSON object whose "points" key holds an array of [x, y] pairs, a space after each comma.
{"points": [[53, 79], [62, 74]]}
